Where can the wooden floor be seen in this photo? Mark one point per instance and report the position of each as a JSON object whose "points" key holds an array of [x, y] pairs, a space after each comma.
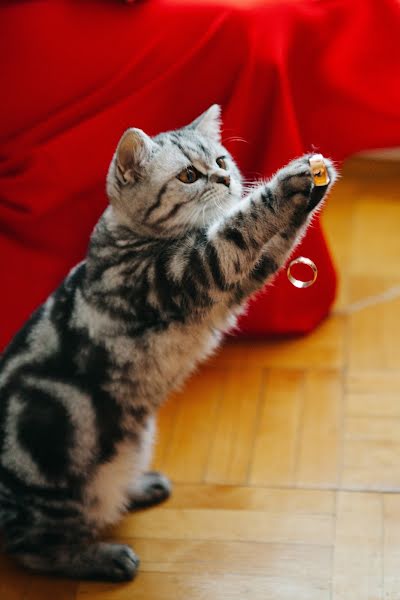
{"points": [[285, 455]]}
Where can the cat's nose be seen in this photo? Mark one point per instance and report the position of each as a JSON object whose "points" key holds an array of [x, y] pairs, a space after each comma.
{"points": [[225, 180]]}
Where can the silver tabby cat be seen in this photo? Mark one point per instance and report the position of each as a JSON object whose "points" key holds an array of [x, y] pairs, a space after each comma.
{"points": [[170, 265]]}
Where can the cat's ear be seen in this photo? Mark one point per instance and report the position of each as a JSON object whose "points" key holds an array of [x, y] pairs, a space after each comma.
{"points": [[209, 123], [133, 152]]}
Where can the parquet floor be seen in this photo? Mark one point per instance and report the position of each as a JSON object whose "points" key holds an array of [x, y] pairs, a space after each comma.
{"points": [[285, 455]]}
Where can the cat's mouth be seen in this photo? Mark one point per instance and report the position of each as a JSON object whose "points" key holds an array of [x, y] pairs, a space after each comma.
{"points": [[218, 204]]}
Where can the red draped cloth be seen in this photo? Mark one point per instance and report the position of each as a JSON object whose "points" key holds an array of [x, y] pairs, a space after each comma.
{"points": [[291, 76]]}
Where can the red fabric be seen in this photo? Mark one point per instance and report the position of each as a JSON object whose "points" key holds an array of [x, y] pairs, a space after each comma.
{"points": [[290, 75]]}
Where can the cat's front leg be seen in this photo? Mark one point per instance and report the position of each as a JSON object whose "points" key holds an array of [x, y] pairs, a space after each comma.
{"points": [[253, 242], [150, 489], [147, 488], [276, 252]]}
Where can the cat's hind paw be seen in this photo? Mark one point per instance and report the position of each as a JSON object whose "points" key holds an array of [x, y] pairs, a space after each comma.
{"points": [[94, 562], [121, 564]]}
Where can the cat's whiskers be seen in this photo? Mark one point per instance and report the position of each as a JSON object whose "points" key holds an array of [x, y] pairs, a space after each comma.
{"points": [[203, 214], [235, 138]]}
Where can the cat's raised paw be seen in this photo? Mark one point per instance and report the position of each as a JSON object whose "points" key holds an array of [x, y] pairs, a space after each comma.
{"points": [[296, 182]]}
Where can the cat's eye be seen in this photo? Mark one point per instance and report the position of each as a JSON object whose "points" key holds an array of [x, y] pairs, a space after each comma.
{"points": [[221, 163], [188, 175]]}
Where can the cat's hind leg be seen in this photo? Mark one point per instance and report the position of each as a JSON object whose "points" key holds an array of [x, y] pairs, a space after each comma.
{"points": [[150, 489], [65, 547], [98, 561]]}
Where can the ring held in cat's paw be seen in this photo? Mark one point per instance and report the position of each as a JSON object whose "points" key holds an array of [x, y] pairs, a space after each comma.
{"points": [[302, 260], [319, 170]]}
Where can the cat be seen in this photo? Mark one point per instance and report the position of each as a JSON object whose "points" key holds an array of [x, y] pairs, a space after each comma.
{"points": [[170, 265]]}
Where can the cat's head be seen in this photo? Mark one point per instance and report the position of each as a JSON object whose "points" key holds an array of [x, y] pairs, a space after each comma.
{"points": [[176, 181]]}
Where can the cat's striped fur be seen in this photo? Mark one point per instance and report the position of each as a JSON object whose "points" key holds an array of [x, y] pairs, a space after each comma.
{"points": [[169, 267]]}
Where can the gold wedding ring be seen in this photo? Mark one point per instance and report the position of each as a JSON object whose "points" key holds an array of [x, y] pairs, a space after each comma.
{"points": [[319, 170], [302, 260]]}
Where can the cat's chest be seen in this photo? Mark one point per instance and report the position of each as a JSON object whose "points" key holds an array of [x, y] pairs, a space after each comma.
{"points": [[178, 350], [163, 360]]}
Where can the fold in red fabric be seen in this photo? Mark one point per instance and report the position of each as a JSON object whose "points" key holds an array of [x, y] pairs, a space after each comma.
{"points": [[291, 76]]}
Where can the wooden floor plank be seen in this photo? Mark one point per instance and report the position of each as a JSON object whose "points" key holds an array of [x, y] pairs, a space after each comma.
{"points": [[193, 430], [391, 550], [165, 425], [298, 561], [338, 219], [323, 348], [171, 586], [358, 562], [377, 223], [377, 428], [319, 451], [374, 331], [371, 465], [229, 525], [232, 447], [373, 381], [42, 588], [252, 498], [373, 405], [275, 444], [14, 581]]}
